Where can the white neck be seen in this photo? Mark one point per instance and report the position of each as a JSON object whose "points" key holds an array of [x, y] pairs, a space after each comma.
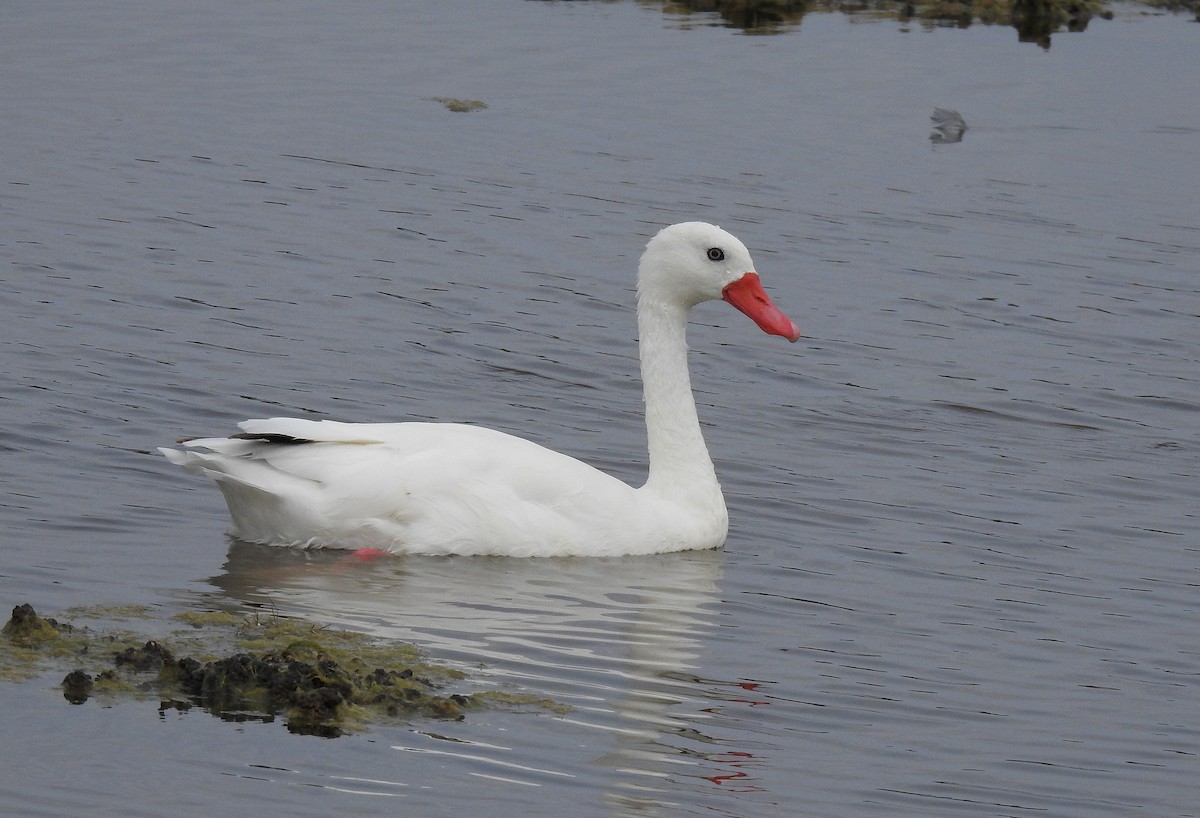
{"points": [[680, 467]]}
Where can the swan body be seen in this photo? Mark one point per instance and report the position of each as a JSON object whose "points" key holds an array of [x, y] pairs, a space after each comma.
{"points": [[451, 488]]}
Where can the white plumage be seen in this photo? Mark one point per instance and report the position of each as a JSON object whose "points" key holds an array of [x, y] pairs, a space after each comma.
{"points": [[448, 488]]}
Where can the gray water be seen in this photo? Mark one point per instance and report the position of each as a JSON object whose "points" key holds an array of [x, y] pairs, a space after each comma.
{"points": [[963, 574]]}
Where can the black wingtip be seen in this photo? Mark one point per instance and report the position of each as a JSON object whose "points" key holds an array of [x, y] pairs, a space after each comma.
{"points": [[271, 437]]}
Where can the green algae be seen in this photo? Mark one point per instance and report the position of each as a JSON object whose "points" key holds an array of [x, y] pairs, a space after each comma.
{"points": [[317, 679], [112, 612], [25, 629], [29, 643], [202, 619], [520, 702]]}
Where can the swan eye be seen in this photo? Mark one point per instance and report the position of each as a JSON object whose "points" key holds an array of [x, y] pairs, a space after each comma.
{"points": [[716, 254]]}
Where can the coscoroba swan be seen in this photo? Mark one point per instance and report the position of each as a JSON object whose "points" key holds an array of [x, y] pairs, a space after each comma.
{"points": [[450, 488]]}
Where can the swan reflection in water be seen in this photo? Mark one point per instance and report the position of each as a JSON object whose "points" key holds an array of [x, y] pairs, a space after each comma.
{"points": [[618, 640]]}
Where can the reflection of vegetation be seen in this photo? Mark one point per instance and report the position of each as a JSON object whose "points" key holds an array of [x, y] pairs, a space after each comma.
{"points": [[1035, 20], [752, 16], [321, 680]]}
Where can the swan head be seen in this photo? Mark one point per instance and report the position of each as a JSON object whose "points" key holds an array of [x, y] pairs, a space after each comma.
{"points": [[694, 261]]}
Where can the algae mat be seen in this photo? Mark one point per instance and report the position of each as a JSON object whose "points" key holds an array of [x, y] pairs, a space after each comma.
{"points": [[320, 680]]}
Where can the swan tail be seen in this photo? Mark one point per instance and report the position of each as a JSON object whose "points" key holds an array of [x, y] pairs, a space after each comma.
{"points": [[265, 504]]}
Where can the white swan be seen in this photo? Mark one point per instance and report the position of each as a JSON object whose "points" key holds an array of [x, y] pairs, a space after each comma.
{"points": [[450, 488]]}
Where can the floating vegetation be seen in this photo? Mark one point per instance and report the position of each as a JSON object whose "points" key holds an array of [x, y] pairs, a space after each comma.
{"points": [[319, 680], [460, 106], [948, 126]]}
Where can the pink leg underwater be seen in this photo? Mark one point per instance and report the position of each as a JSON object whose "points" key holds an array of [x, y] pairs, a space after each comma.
{"points": [[369, 554]]}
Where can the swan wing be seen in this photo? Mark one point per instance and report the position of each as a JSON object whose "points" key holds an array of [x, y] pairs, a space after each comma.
{"points": [[414, 487]]}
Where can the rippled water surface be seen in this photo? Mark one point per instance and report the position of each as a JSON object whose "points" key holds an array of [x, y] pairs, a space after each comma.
{"points": [[963, 571]]}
